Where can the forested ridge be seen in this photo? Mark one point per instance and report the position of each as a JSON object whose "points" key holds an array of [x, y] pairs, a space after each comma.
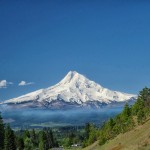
{"points": [[26, 140], [129, 118]]}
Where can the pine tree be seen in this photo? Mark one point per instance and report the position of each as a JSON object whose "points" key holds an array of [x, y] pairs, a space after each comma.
{"points": [[9, 141], [28, 144], [33, 137], [140, 116], [42, 141], [144, 94], [87, 130], [49, 137], [26, 134], [111, 123], [41, 145], [92, 135], [20, 143], [1, 133], [126, 112]]}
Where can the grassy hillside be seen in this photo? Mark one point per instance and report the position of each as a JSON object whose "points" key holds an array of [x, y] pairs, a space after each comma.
{"points": [[137, 139]]}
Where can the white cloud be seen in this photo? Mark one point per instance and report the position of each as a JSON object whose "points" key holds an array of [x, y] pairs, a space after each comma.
{"points": [[24, 83], [4, 83]]}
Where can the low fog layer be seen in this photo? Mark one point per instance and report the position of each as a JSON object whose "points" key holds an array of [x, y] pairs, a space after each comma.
{"points": [[43, 118]]}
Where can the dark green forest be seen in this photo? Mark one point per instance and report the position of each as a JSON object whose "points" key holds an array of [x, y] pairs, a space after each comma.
{"points": [[45, 139], [130, 117]]}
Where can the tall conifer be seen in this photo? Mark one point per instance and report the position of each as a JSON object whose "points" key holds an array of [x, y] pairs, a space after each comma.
{"points": [[1, 133]]}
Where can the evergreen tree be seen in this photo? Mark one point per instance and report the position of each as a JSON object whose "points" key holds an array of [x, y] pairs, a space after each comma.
{"points": [[49, 137], [33, 137], [110, 128], [102, 139], [126, 117], [140, 116], [1, 133], [118, 125], [87, 130], [20, 143], [92, 135], [41, 145], [42, 141], [111, 123], [9, 141], [26, 134], [126, 112], [144, 94], [28, 144]]}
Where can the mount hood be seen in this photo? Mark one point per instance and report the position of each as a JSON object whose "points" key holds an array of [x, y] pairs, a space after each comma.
{"points": [[74, 90]]}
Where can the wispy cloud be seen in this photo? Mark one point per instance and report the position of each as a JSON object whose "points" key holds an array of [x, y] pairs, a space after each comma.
{"points": [[4, 83], [24, 83]]}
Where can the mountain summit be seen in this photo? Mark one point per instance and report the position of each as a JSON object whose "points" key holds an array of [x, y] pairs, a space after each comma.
{"points": [[73, 90]]}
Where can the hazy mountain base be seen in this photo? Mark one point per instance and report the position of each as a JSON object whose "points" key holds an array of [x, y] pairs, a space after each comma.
{"points": [[61, 104], [137, 139], [32, 118], [66, 115]]}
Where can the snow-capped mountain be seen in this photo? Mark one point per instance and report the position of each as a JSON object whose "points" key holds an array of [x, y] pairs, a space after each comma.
{"points": [[74, 90]]}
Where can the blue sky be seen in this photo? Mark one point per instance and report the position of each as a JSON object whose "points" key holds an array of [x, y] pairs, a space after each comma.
{"points": [[40, 41]]}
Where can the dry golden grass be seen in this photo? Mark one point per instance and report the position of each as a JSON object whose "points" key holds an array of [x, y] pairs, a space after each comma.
{"points": [[137, 139]]}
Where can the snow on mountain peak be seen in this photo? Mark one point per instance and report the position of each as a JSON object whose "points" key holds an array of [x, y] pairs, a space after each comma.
{"points": [[76, 79], [72, 75], [74, 88]]}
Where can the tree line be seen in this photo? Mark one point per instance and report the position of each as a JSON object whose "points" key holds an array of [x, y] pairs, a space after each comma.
{"points": [[25, 140], [130, 117]]}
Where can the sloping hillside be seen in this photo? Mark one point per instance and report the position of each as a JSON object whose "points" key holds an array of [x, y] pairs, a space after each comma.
{"points": [[137, 139]]}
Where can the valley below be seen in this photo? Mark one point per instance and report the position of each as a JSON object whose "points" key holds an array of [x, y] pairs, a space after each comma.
{"points": [[40, 118], [74, 101]]}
